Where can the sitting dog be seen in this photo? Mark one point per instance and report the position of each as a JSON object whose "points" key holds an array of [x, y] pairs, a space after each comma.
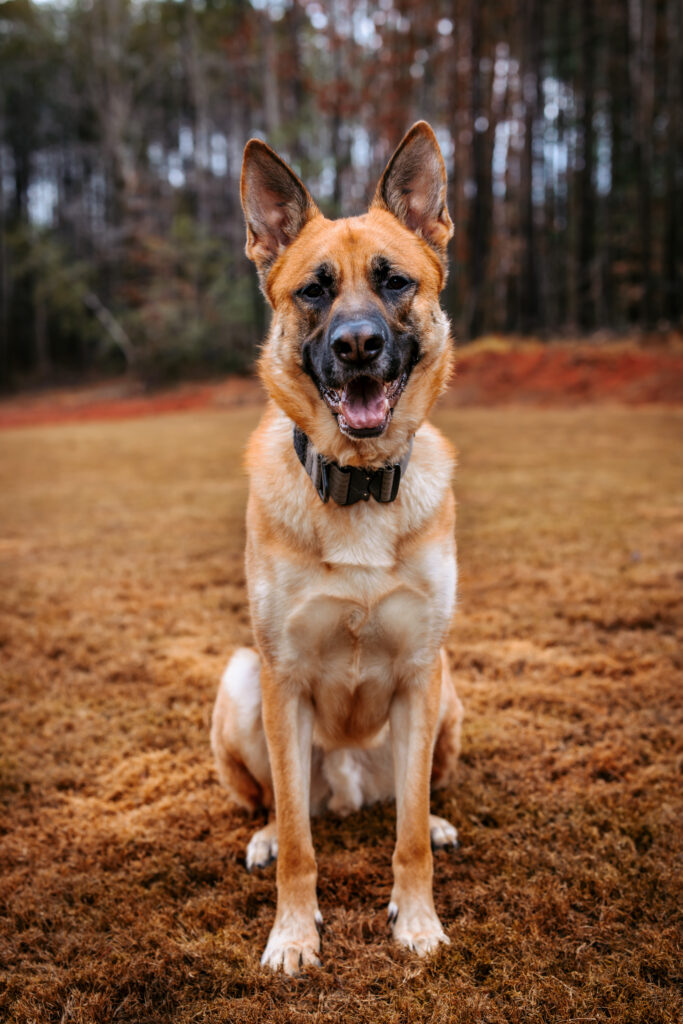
{"points": [[350, 558]]}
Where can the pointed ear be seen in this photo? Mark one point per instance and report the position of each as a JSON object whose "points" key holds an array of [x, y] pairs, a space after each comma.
{"points": [[276, 205], [413, 188]]}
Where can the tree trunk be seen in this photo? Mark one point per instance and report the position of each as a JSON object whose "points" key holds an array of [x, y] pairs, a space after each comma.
{"points": [[585, 199], [461, 83], [40, 337], [641, 68], [673, 206], [529, 298], [271, 97], [4, 284], [480, 220], [200, 120]]}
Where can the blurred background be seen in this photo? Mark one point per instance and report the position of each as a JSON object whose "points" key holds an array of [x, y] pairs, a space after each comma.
{"points": [[122, 126]]}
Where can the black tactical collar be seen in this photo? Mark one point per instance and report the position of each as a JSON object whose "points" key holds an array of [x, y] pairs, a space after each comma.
{"points": [[348, 484]]}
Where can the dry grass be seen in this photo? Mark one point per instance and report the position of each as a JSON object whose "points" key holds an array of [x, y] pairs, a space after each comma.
{"points": [[124, 893]]}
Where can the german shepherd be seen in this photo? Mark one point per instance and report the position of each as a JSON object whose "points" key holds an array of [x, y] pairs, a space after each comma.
{"points": [[351, 570]]}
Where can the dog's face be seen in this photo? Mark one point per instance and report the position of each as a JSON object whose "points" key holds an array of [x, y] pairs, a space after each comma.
{"points": [[359, 347]]}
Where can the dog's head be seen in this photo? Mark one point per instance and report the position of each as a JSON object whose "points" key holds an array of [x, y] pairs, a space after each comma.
{"points": [[359, 348]]}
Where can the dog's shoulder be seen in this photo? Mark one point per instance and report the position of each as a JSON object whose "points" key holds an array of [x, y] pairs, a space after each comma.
{"points": [[279, 498], [426, 487]]}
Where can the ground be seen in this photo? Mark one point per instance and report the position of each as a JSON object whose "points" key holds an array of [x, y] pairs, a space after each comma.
{"points": [[123, 891]]}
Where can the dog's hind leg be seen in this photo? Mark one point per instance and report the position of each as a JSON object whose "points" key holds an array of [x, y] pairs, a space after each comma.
{"points": [[262, 847], [447, 745], [237, 737]]}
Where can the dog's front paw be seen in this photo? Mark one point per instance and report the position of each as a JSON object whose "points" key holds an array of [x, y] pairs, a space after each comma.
{"points": [[293, 944], [416, 926]]}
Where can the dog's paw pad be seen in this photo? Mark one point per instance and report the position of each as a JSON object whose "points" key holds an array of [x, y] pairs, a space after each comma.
{"points": [[262, 849], [442, 834]]}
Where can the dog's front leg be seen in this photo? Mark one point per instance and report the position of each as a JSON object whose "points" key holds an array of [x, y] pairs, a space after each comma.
{"points": [[294, 940], [414, 715]]}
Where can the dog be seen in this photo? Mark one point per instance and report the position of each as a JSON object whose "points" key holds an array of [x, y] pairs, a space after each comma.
{"points": [[347, 697]]}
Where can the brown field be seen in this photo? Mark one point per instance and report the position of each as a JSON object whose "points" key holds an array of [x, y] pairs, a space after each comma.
{"points": [[123, 892]]}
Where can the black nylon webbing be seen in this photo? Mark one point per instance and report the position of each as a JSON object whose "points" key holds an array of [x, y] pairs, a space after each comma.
{"points": [[348, 484]]}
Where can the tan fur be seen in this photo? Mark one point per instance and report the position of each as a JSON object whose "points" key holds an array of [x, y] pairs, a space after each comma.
{"points": [[350, 605]]}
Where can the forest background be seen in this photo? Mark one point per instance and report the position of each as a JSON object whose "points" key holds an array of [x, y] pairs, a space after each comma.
{"points": [[122, 124]]}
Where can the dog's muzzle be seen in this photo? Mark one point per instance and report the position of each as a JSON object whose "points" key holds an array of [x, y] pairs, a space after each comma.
{"points": [[362, 373]]}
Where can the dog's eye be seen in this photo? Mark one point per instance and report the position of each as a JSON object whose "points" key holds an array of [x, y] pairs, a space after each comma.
{"points": [[312, 291], [397, 283]]}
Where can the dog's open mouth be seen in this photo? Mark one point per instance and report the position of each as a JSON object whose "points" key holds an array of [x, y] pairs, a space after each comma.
{"points": [[363, 407]]}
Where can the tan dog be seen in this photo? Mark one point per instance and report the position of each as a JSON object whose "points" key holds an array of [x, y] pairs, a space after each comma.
{"points": [[351, 573]]}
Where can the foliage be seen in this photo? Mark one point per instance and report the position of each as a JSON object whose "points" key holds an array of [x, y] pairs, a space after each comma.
{"points": [[58, 286], [187, 306], [561, 125]]}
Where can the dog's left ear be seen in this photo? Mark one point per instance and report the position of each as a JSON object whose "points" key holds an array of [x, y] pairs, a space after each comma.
{"points": [[413, 188], [276, 204]]}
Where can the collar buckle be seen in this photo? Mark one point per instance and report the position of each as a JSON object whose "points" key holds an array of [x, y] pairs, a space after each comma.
{"points": [[316, 467]]}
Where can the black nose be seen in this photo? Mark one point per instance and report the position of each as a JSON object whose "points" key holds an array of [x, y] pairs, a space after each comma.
{"points": [[357, 342]]}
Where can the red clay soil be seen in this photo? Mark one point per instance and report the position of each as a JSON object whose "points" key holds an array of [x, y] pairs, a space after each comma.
{"points": [[568, 375], [124, 398], [488, 373]]}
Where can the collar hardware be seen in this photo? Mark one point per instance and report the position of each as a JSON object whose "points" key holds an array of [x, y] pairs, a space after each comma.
{"points": [[347, 485]]}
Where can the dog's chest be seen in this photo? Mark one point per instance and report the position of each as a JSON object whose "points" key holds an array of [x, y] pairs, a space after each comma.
{"points": [[350, 655], [351, 636], [357, 640]]}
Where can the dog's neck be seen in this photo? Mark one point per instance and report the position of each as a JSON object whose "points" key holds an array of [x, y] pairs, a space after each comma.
{"points": [[348, 484]]}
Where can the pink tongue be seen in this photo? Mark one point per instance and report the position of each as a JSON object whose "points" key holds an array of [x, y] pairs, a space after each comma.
{"points": [[364, 404]]}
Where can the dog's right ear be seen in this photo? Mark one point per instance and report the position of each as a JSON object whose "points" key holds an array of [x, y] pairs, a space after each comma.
{"points": [[276, 205]]}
